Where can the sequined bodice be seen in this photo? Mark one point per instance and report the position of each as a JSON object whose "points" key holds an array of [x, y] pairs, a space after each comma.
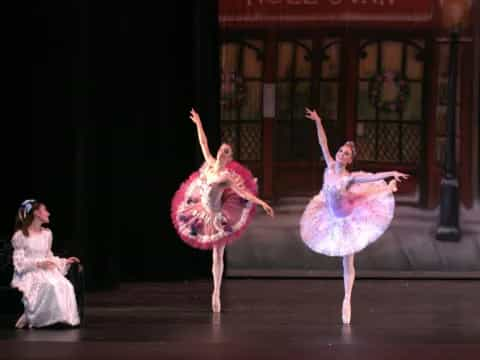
{"points": [[336, 189], [335, 195], [212, 190]]}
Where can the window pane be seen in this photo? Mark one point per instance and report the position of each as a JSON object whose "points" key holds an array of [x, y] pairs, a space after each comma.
{"points": [[251, 108], [282, 140], [301, 140], [252, 65], [329, 100], [414, 65], [392, 56], [285, 56], [368, 64], [229, 57], [413, 106], [388, 142], [293, 94], [302, 99], [366, 111], [388, 115], [303, 63], [382, 134], [331, 65], [411, 143], [232, 95], [365, 140], [250, 142], [283, 101]]}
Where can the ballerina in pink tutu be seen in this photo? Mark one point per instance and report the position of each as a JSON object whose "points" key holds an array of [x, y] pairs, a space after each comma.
{"points": [[352, 210], [215, 205]]}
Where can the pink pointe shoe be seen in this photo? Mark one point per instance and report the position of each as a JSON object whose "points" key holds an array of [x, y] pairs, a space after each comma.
{"points": [[346, 312], [216, 305]]}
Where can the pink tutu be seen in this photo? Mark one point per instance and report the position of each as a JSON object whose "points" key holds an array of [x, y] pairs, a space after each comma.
{"points": [[194, 222], [369, 209]]}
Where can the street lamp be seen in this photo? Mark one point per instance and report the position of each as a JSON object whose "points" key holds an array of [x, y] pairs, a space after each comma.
{"points": [[454, 17]]}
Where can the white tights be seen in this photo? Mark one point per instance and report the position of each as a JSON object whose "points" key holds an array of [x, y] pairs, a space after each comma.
{"points": [[348, 280], [217, 272]]}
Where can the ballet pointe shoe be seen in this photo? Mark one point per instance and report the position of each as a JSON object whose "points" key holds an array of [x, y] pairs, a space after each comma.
{"points": [[346, 312], [216, 305]]}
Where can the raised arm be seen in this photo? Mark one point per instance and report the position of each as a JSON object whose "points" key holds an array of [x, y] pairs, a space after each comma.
{"points": [[363, 177], [322, 137], [238, 186], [202, 138]]}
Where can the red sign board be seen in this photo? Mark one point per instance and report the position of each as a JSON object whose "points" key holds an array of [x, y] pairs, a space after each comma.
{"points": [[326, 11]]}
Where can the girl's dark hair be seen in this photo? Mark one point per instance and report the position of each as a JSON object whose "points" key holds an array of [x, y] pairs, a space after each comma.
{"points": [[25, 215]]}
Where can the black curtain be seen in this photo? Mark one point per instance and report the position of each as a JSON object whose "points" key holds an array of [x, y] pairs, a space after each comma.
{"points": [[107, 139]]}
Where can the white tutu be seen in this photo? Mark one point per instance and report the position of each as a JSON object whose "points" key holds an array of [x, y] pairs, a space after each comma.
{"points": [[367, 212]]}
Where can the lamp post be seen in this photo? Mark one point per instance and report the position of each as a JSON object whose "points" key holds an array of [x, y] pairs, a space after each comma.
{"points": [[454, 15]]}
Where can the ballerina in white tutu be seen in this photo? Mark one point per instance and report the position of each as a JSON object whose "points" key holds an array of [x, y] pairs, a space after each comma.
{"points": [[352, 210]]}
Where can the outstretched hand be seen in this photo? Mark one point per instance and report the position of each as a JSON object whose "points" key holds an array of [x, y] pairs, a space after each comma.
{"points": [[268, 209], [72, 260], [195, 117], [312, 115], [399, 176]]}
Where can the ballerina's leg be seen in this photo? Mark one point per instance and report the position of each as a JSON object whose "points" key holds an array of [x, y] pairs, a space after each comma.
{"points": [[348, 280], [217, 271]]}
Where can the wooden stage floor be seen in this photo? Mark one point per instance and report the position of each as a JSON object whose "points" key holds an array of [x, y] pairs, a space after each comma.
{"points": [[265, 319]]}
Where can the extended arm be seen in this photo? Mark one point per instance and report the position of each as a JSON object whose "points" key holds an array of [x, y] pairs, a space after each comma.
{"points": [[322, 137], [363, 177], [238, 186], [202, 138]]}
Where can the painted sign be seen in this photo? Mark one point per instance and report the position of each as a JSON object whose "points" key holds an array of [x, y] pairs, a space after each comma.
{"points": [[278, 11]]}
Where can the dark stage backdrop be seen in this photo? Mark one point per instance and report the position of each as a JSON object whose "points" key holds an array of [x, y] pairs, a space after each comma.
{"points": [[101, 132]]}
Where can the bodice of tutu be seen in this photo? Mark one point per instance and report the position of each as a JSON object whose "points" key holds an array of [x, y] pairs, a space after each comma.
{"points": [[207, 211], [212, 191], [336, 196]]}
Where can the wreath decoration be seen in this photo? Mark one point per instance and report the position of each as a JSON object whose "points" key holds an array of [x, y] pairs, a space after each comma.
{"points": [[233, 90], [388, 91]]}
